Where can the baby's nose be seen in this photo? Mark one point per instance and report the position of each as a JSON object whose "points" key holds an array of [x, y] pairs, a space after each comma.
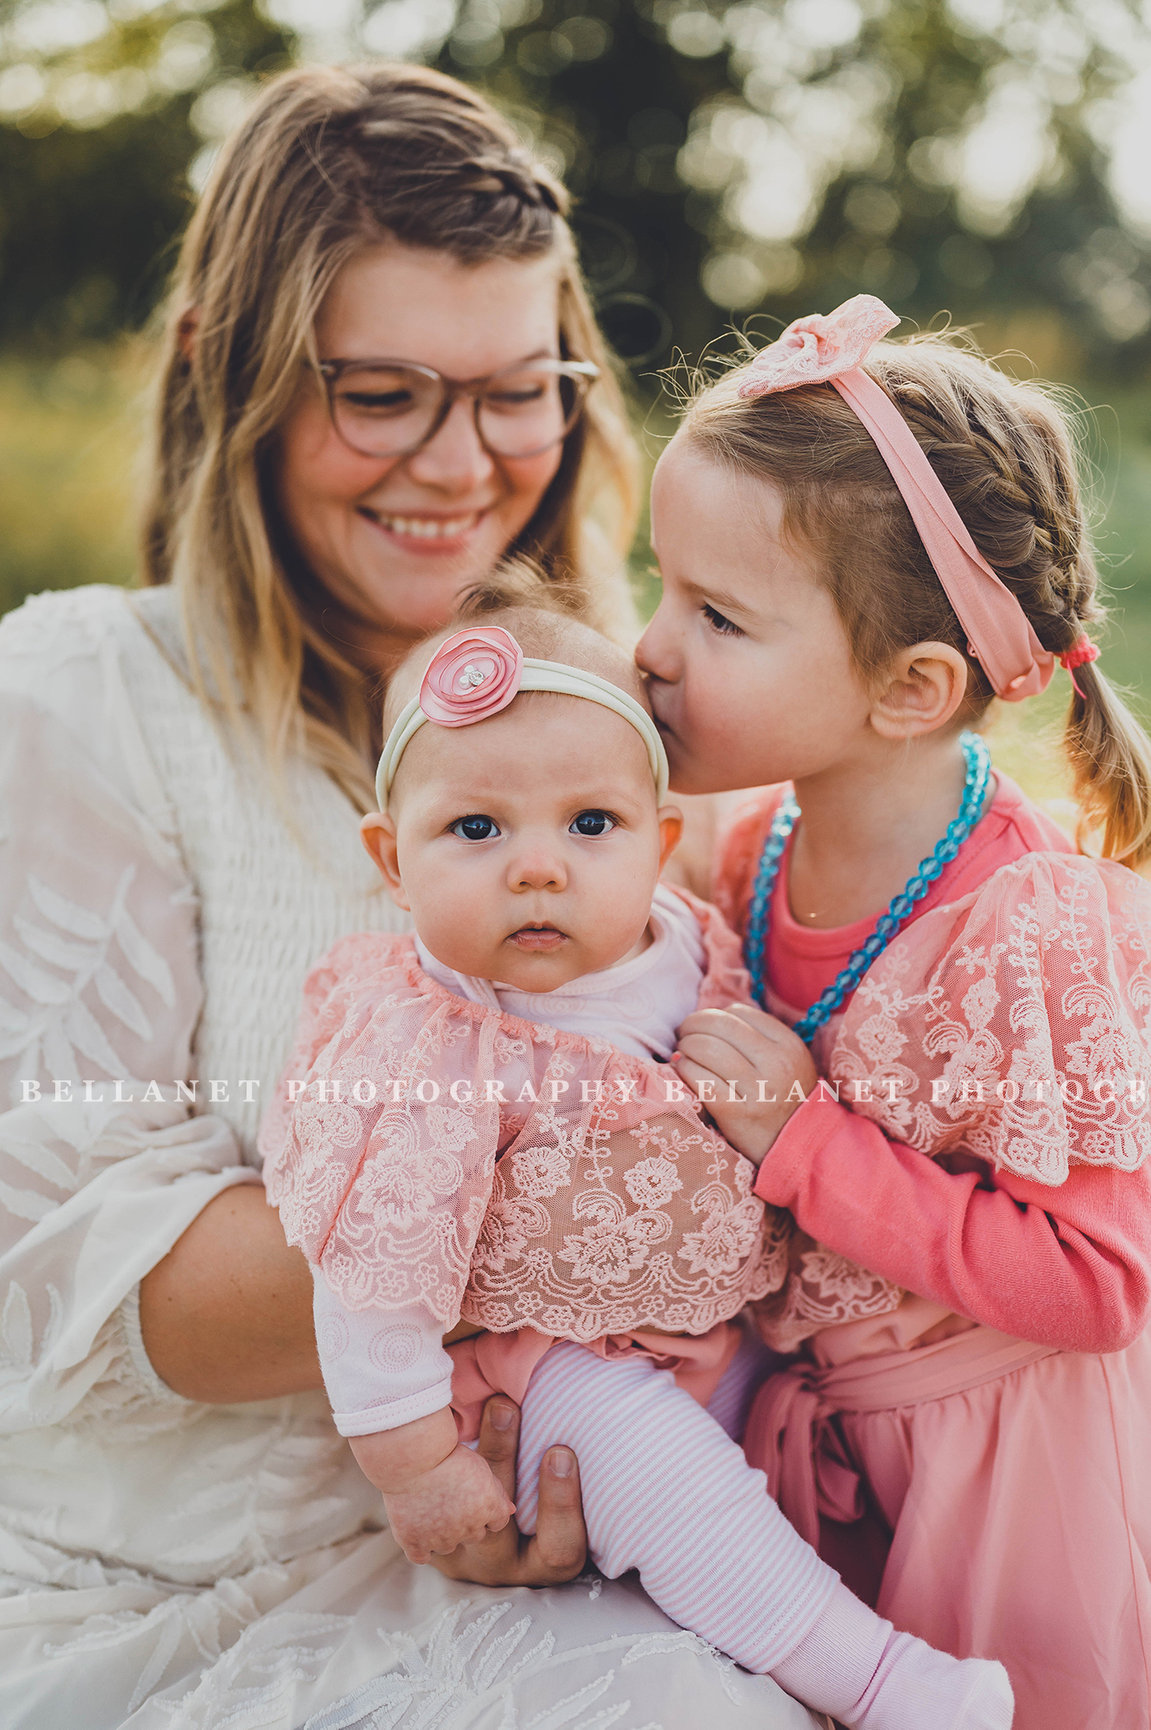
{"points": [[538, 867]]}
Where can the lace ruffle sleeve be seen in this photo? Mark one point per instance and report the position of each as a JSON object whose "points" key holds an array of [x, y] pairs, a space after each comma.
{"points": [[1014, 1024], [381, 1167], [593, 1198], [99, 994]]}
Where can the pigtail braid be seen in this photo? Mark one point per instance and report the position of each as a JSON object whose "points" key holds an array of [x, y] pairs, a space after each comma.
{"points": [[1005, 454], [1110, 758]]}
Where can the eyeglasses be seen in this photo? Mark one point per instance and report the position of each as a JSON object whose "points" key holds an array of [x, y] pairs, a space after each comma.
{"points": [[391, 408]]}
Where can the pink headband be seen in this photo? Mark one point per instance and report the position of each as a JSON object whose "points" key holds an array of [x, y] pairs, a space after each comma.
{"points": [[832, 349], [476, 673]]}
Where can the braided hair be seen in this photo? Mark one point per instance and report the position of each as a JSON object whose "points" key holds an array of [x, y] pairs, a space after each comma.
{"points": [[1004, 452]]}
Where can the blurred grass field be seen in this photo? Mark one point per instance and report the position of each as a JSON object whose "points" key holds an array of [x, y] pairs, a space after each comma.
{"points": [[71, 431]]}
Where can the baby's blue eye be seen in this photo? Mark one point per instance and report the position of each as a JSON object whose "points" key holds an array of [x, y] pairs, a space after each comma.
{"points": [[591, 823], [475, 828]]}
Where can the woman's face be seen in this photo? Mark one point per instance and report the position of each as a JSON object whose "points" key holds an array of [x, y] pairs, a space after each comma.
{"points": [[396, 540]]}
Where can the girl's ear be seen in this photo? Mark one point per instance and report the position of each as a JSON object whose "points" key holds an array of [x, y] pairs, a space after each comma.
{"points": [[670, 830], [378, 833], [923, 688]]}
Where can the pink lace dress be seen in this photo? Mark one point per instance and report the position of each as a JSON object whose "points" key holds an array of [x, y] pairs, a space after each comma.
{"points": [[971, 1280], [584, 1197]]}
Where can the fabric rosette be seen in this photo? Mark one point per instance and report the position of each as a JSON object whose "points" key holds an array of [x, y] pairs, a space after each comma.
{"points": [[472, 675], [820, 347]]}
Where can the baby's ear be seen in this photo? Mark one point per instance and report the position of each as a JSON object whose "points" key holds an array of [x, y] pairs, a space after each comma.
{"points": [[670, 831], [378, 833]]}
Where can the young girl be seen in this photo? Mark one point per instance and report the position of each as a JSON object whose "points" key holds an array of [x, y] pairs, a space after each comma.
{"points": [[523, 824], [855, 560]]}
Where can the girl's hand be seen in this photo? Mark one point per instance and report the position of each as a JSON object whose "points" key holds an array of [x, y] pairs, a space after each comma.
{"points": [[459, 1501], [748, 1069]]}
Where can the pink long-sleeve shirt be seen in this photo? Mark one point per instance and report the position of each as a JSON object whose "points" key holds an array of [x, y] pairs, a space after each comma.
{"points": [[1068, 1266]]}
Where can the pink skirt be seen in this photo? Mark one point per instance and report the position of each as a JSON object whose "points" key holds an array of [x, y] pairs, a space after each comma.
{"points": [[490, 1364], [1014, 1485]]}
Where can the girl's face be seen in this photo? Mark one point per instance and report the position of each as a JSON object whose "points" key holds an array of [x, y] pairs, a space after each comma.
{"points": [[527, 847], [395, 541], [751, 676]]}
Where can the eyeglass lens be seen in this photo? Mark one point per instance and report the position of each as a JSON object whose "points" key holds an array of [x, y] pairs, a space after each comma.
{"points": [[386, 410]]}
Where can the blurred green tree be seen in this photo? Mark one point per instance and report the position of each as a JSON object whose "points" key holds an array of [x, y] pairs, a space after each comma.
{"points": [[980, 155], [107, 113]]}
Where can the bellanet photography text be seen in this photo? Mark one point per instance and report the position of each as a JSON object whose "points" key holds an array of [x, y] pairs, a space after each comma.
{"points": [[960, 1090]]}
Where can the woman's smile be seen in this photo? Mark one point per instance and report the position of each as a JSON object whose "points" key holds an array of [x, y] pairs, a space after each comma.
{"points": [[427, 532]]}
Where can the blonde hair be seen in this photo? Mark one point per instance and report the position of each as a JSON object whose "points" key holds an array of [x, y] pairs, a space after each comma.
{"points": [[330, 161], [1005, 454]]}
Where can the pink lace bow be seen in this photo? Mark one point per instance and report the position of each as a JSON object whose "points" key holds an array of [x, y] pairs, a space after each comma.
{"points": [[472, 675], [815, 349]]}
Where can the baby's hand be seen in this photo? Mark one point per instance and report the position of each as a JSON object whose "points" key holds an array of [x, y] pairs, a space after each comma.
{"points": [[457, 1502], [746, 1053], [432, 1509]]}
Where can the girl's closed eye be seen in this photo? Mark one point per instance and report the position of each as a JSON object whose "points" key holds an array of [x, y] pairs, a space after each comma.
{"points": [[475, 827], [592, 823], [722, 626]]}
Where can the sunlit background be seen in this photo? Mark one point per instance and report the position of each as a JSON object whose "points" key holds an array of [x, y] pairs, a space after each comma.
{"points": [[733, 165]]}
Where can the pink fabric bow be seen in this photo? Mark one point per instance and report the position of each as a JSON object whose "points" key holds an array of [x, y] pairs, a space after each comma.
{"points": [[815, 349], [472, 675], [831, 350]]}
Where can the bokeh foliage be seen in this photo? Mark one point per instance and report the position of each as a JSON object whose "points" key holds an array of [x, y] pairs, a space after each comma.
{"points": [[731, 162], [765, 155]]}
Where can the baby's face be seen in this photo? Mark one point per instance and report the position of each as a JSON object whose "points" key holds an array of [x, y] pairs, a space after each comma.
{"points": [[527, 846]]}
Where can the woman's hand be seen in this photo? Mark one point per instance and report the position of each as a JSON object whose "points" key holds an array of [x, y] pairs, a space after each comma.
{"points": [[558, 1551], [748, 1069]]}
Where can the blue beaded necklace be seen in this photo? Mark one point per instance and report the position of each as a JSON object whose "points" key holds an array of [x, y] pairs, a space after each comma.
{"points": [[978, 761]]}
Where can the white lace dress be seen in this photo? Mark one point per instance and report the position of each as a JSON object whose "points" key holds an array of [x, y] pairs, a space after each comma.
{"points": [[165, 1563]]}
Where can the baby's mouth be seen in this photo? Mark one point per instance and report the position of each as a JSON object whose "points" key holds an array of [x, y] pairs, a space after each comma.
{"points": [[538, 938]]}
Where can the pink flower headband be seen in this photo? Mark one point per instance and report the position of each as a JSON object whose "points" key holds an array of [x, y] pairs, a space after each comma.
{"points": [[476, 673], [831, 350]]}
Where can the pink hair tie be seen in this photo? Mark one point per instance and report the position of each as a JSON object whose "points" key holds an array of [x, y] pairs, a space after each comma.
{"points": [[1081, 653], [831, 350]]}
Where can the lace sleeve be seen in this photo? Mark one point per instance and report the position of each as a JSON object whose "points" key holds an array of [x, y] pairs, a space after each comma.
{"points": [[1014, 1024], [381, 1170], [100, 1173], [993, 1156]]}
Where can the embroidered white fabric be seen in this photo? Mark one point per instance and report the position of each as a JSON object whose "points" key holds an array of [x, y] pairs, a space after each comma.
{"points": [[166, 1565]]}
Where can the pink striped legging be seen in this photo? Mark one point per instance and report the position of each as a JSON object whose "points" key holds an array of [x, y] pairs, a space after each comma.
{"points": [[719, 1559]]}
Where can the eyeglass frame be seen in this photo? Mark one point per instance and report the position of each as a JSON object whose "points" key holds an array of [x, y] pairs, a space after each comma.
{"points": [[453, 389]]}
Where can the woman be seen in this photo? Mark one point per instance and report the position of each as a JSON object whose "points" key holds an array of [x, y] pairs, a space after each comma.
{"points": [[185, 1541]]}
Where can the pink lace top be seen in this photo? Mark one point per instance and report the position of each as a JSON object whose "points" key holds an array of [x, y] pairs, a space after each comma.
{"points": [[1006, 1034], [586, 1202]]}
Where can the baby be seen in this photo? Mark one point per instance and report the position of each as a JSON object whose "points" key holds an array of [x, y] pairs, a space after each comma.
{"points": [[481, 1125]]}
